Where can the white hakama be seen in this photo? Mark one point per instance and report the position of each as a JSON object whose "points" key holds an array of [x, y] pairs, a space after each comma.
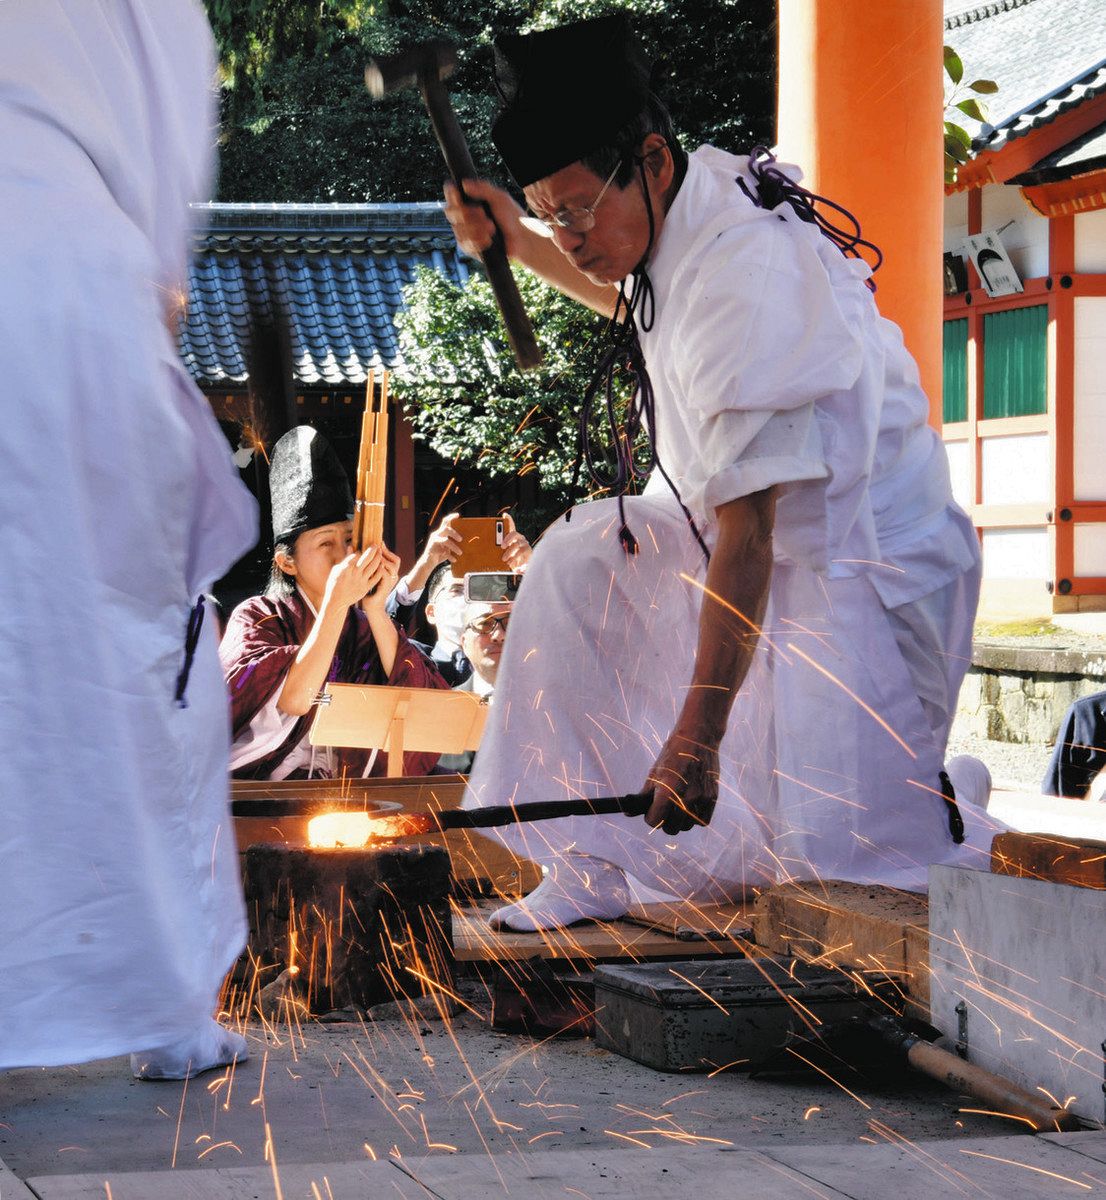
{"points": [[771, 366], [120, 897]]}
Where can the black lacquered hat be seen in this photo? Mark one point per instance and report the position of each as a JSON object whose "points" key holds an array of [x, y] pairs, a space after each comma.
{"points": [[566, 92], [308, 484]]}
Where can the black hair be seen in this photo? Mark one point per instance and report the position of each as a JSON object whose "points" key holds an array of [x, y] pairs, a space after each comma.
{"points": [[281, 585], [653, 118], [440, 578]]}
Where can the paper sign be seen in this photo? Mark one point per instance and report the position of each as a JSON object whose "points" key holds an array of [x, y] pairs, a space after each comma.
{"points": [[996, 271]]}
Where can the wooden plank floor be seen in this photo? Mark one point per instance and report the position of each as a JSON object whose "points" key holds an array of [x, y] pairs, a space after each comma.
{"points": [[648, 932]]}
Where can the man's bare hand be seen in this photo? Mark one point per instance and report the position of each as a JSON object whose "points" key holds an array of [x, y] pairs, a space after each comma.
{"points": [[684, 783], [517, 550], [472, 226]]}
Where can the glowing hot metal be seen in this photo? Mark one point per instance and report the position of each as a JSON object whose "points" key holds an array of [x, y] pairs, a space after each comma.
{"points": [[344, 828]]}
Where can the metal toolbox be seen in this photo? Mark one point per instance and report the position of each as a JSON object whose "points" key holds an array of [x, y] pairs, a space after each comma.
{"points": [[702, 1016]]}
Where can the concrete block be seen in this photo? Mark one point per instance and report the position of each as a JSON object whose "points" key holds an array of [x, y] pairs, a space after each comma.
{"points": [[1017, 976]]}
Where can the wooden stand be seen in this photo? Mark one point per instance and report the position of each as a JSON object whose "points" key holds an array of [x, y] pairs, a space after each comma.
{"points": [[398, 719]]}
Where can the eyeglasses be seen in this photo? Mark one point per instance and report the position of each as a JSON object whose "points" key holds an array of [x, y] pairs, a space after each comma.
{"points": [[572, 220], [486, 626]]}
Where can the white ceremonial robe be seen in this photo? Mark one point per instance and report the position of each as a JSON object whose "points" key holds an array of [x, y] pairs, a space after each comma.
{"points": [[120, 897], [771, 366]]}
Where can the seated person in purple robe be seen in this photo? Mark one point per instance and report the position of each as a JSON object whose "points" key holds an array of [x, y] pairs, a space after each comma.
{"points": [[322, 619]]}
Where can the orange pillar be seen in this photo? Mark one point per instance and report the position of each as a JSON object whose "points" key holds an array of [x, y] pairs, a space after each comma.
{"points": [[860, 110]]}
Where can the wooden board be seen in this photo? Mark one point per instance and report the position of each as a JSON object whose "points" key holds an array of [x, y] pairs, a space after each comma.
{"points": [[1074, 861], [687, 921], [586, 943], [869, 929], [482, 865]]}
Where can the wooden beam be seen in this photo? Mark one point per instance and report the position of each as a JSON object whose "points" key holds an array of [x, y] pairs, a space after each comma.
{"points": [[1074, 861]]}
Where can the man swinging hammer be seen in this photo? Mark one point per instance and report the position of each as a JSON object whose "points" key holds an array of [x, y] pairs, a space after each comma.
{"points": [[771, 638]]}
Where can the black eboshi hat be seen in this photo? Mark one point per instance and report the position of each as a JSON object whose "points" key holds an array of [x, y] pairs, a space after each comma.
{"points": [[308, 484], [566, 92]]}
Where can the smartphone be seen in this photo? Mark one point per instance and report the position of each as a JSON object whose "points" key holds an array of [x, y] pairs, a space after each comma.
{"points": [[491, 587], [481, 544]]}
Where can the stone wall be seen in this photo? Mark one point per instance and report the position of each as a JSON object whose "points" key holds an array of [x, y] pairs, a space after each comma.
{"points": [[1015, 693]]}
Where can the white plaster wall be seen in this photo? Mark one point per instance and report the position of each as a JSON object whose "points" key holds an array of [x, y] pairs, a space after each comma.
{"points": [[956, 221], [1090, 398], [1090, 550], [1090, 240], [960, 470], [1026, 241], [1017, 470], [1015, 554]]}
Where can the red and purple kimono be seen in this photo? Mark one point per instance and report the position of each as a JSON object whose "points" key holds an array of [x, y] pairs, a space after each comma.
{"points": [[262, 639]]}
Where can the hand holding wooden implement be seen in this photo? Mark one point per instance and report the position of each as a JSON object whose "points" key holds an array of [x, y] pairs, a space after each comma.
{"points": [[427, 66], [401, 825]]}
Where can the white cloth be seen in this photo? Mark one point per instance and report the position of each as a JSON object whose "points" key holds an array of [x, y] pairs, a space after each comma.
{"points": [[404, 595], [120, 898], [771, 366]]}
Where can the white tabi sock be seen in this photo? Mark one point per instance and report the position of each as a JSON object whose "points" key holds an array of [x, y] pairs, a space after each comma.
{"points": [[577, 888], [971, 780], [208, 1048]]}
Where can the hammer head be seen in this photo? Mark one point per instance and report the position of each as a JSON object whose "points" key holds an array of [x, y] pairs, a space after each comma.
{"points": [[420, 64]]}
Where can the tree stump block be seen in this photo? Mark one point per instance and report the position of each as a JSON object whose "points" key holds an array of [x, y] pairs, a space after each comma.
{"points": [[361, 925]]}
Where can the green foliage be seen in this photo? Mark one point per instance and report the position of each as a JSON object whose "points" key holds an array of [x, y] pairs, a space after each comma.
{"points": [[298, 124], [464, 394], [958, 142]]}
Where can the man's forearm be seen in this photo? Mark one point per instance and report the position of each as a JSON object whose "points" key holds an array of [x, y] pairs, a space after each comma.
{"points": [[736, 595]]}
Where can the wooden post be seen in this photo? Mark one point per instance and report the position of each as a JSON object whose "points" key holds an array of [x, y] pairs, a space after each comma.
{"points": [[860, 110], [395, 740]]}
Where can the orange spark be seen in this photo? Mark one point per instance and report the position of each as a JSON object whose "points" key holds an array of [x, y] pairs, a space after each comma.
{"points": [[1039, 1170], [852, 695]]}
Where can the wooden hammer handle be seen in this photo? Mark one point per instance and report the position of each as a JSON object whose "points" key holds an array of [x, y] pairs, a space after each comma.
{"points": [[455, 150], [1000, 1095]]}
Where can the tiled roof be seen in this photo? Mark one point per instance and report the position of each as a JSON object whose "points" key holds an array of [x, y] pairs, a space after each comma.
{"points": [[336, 270], [1087, 153], [1046, 56]]}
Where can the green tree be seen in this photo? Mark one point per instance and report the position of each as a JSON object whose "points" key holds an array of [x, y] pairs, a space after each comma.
{"points": [[298, 124], [464, 394], [958, 141]]}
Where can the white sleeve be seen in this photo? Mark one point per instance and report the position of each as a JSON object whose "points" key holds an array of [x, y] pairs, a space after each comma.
{"points": [[405, 597], [268, 730], [764, 338]]}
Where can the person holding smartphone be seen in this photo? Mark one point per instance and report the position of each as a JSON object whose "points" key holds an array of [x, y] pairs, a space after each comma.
{"points": [[447, 544]]}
